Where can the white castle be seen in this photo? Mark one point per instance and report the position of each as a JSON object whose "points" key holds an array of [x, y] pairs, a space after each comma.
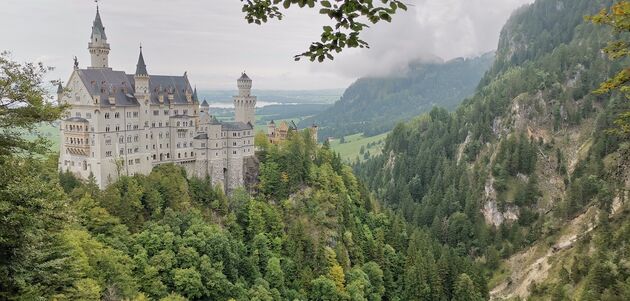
{"points": [[124, 124]]}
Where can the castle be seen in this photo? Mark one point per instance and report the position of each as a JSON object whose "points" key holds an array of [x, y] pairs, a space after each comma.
{"points": [[280, 133], [125, 124]]}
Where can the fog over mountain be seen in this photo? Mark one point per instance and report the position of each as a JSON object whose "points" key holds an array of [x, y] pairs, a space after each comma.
{"points": [[212, 41]]}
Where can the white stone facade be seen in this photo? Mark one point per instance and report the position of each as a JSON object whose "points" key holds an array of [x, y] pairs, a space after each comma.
{"points": [[123, 124]]}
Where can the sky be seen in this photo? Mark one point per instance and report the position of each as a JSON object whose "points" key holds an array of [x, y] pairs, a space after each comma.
{"points": [[212, 42]]}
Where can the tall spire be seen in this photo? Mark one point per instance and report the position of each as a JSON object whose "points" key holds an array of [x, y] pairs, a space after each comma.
{"points": [[141, 67], [97, 26], [99, 49]]}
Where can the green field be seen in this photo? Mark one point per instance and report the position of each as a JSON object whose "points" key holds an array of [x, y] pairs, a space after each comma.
{"points": [[351, 149], [48, 131]]}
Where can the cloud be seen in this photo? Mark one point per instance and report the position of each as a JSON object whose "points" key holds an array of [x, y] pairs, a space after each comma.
{"points": [[443, 28], [211, 40]]}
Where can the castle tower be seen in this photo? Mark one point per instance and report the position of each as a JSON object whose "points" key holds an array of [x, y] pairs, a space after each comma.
{"points": [[244, 103], [141, 78], [59, 93], [204, 114], [99, 49]]}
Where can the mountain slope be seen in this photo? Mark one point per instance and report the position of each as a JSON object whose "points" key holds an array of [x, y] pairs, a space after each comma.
{"points": [[520, 160], [373, 105]]}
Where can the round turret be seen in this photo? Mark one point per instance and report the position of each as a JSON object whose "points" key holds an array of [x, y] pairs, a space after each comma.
{"points": [[244, 82]]}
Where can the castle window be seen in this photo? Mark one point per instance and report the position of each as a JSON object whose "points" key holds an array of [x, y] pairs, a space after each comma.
{"points": [[135, 114], [192, 154], [160, 124], [88, 115], [168, 155], [165, 112], [234, 152], [185, 112], [106, 115], [153, 156], [121, 139], [234, 143], [179, 156], [107, 128], [156, 112], [137, 161], [128, 114], [153, 146], [175, 112], [108, 154], [135, 138], [108, 141], [116, 115], [121, 151], [117, 128]]}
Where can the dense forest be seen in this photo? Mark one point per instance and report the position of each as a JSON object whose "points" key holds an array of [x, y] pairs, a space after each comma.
{"points": [[454, 197], [311, 232], [533, 142], [373, 105]]}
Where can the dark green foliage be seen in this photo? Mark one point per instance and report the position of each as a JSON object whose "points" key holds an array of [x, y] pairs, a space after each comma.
{"points": [[317, 236], [439, 169]]}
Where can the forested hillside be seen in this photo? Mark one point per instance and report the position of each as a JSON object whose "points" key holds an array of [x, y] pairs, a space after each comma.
{"points": [[511, 174], [373, 105], [311, 232]]}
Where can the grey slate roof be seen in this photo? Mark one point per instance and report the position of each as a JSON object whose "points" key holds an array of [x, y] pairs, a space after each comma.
{"points": [[59, 88], [201, 136], [205, 103], [244, 77], [97, 26], [105, 82], [235, 126], [214, 120], [141, 67]]}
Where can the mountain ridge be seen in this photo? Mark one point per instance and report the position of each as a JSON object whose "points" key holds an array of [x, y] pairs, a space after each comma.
{"points": [[374, 104]]}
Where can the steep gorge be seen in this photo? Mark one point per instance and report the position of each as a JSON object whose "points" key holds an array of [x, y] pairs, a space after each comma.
{"points": [[511, 175]]}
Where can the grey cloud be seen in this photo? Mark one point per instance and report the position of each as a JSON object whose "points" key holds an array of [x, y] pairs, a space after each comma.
{"points": [[443, 28], [211, 40]]}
